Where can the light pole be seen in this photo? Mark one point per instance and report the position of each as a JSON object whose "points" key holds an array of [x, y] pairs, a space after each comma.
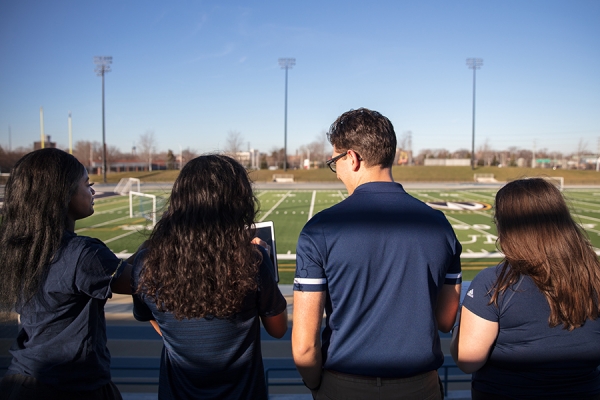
{"points": [[103, 66], [474, 64], [286, 63]]}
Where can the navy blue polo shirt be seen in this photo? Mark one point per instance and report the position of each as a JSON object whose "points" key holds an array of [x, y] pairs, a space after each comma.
{"points": [[382, 256], [217, 358], [530, 359], [63, 337]]}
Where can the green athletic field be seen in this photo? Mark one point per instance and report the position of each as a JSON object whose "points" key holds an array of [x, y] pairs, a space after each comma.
{"points": [[467, 210]]}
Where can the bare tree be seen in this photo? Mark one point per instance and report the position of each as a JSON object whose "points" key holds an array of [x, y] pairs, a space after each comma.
{"points": [[234, 144], [147, 147]]}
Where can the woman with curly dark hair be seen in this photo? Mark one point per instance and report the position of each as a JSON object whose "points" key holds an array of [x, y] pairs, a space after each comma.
{"points": [[57, 281], [529, 328], [203, 285]]}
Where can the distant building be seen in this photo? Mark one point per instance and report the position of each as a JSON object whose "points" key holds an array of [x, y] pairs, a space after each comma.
{"points": [[249, 159], [47, 144]]}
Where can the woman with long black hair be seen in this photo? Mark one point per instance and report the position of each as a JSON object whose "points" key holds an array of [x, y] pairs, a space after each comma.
{"points": [[57, 281], [204, 286]]}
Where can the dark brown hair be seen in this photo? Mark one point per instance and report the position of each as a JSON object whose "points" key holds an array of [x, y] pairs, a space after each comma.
{"points": [[34, 219], [368, 133], [200, 260], [540, 239]]}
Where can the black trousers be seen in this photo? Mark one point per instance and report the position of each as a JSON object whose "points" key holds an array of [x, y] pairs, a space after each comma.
{"points": [[338, 386]]}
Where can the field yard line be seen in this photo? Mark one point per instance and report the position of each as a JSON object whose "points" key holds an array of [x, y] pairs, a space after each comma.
{"points": [[341, 194], [101, 224], [479, 195], [312, 204], [582, 202], [586, 217], [119, 237], [471, 227], [111, 210], [275, 206]]}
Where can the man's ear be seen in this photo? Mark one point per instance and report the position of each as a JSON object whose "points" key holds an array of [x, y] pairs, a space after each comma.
{"points": [[355, 160]]}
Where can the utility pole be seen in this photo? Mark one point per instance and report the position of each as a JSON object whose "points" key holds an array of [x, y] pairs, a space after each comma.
{"points": [[102, 67], [474, 64], [286, 63]]}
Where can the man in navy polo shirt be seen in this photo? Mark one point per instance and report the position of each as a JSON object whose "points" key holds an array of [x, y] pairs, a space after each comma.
{"points": [[385, 268]]}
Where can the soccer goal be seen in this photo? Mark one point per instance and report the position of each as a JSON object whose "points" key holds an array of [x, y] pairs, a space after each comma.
{"points": [[142, 205], [125, 185]]}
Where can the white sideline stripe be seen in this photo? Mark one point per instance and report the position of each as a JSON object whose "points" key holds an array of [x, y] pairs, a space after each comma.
{"points": [[312, 204], [275, 206], [119, 237], [471, 227], [102, 224], [341, 194]]}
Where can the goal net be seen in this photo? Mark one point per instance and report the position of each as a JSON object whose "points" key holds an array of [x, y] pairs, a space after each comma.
{"points": [[143, 205], [126, 184]]}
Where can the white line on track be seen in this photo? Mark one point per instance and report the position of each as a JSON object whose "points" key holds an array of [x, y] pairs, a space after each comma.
{"points": [[275, 206], [312, 204], [101, 224], [472, 227], [120, 236]]}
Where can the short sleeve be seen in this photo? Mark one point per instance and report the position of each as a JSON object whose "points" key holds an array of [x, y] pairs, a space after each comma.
{"points": [[454, 273], [310, 272], [270, 300], [478, 296], [141, 311], [97, 266]]}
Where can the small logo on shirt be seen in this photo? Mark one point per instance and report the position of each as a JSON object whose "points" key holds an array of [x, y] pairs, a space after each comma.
{"points": [[470, 293]]}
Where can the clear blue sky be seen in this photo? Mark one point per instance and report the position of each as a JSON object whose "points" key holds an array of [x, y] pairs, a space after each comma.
{"points": [[191, 71]]}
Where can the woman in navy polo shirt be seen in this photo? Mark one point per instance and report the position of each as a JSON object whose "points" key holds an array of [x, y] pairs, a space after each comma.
{"points": [[57, 281], [529, 328], [205, 287]]}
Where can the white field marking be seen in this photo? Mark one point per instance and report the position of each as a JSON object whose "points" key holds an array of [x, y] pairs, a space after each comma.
{"points": [[274, 207], [472, 227], [102, 224], [111, 211], [120, 236], [312, 204], [474, 212], [341, 194], [260, 193], [480, 195], [584, 203], [586, 217]]}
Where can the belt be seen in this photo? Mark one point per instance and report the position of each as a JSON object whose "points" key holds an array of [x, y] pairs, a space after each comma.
{"points": [[376, 379]]}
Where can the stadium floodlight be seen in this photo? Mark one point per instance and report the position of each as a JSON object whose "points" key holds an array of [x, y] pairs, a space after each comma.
{"points": [[474, 64], [103, 66], [286, 63]]}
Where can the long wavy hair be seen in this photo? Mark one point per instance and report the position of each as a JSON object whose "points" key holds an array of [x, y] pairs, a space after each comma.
{"points": [[200, 260], [540, 239], [34, 219]]}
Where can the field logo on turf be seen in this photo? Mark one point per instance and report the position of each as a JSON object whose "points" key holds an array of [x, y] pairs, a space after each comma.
{"points": [[459, 205]]}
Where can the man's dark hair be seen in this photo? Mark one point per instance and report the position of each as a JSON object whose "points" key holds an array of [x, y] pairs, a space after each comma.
{"points": [[368, 133]]}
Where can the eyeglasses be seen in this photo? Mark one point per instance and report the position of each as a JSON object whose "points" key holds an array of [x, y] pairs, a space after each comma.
{"points": [[331, 162]]}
